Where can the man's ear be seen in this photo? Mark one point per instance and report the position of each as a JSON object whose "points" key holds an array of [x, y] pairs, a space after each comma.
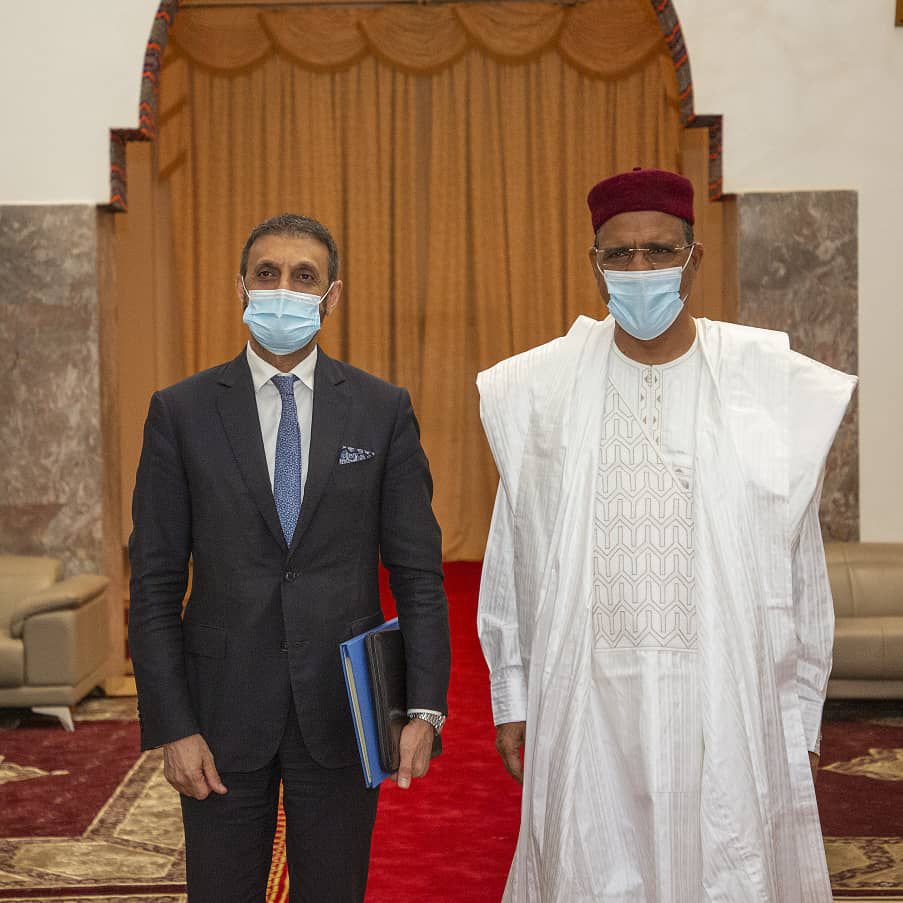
{"points": [[696, 256], [692, 269], [600, 279], [335, 295], [240, 291]]}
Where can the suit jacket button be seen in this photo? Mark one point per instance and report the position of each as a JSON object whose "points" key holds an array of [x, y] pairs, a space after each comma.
{"points": [[289, 576], [283, 646]]}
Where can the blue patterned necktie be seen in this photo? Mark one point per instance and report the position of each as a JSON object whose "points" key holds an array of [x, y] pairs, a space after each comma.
{"points": [[287, 472]]}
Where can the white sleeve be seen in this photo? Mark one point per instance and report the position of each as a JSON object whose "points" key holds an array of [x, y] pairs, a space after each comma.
{"points": [[497, 618], [813, 608]]}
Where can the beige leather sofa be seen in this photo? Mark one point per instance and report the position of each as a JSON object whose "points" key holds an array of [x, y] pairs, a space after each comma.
{"points": [[54, 635], [867, 583]]}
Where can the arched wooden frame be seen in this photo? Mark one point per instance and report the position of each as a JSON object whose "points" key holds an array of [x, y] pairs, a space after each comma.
{"points": [[166, 13]]}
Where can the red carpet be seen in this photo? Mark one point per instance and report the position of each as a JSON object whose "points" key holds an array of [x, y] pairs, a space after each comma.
{"points": [[458, 826]]}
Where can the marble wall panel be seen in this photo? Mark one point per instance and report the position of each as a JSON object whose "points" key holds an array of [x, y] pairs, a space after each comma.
{"points": [[798, 272], [51, 444]]}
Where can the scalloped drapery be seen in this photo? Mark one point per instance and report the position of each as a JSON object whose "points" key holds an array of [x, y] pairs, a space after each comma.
{"points": [[603, 38], [448, 148]]}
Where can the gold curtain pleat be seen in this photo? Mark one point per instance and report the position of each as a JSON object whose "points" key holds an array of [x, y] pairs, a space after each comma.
{"points": [[590, 41], [223, 40], [416, 38], [324, 39], [453, 179], [515, 31]]}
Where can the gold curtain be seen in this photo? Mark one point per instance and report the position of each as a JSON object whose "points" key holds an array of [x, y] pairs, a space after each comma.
{"points": [[150, 311], [449, 149]]}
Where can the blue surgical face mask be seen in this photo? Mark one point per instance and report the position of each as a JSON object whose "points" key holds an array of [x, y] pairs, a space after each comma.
{"points": [[645, 303], [281, 320]]}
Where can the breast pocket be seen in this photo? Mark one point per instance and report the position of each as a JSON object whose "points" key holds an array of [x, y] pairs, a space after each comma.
{"points": [[357, 482], [356, 466]]}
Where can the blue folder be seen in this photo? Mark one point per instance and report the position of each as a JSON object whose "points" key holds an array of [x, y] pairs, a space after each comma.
{"points": [[356, 669]]}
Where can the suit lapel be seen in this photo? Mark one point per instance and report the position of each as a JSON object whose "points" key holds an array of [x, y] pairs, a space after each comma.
{"points": [[238, 411], [331, 403]]}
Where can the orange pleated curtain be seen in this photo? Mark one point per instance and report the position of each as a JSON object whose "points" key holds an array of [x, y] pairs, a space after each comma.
{"points": [[448, 148]]}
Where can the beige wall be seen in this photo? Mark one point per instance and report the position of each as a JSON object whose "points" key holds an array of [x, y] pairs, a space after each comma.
{"points": [[809, 91], [69, 72]]}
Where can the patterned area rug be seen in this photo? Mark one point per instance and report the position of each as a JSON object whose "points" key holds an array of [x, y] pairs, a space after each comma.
{"points": [[860, 791], [84, 816], [104, 825]]}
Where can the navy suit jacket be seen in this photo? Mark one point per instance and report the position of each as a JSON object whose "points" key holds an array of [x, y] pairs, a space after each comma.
{"points": [[262, 627]]}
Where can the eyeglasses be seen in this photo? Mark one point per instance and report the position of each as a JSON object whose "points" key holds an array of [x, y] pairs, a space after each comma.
{"points": [[657, 257]]}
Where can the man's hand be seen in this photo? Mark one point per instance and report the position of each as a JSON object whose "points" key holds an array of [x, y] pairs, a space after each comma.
{"points": [[188, 766], [813, 764], [509, 741], [415, 750]]}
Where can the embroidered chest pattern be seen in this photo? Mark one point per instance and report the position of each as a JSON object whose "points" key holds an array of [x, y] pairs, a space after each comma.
{"points": [[643, 532]]}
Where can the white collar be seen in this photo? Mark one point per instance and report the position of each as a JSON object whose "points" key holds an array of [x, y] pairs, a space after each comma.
{"points": [[262, 372], [639, 365]]}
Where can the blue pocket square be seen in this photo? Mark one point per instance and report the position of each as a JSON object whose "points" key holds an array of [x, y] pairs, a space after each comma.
{"points": [[350, 455]]}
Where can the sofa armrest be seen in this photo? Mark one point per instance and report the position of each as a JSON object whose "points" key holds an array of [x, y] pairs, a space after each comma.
{"points": [[67, 594]]}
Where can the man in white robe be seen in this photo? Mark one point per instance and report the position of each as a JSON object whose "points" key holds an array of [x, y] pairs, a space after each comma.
{"points": [[655, 608]]}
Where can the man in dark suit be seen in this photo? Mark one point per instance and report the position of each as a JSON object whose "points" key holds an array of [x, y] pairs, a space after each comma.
{"points": [[283, 476]]}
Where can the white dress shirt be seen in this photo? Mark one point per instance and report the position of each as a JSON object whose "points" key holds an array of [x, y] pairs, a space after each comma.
{"points": [[269, 406]]}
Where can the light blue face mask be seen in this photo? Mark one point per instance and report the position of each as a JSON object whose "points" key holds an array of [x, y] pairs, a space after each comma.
{"points": [[281, 320], [645, 303]]}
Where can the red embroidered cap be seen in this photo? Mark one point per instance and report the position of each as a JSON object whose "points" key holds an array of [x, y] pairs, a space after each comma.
{"points": [[641, 189]]}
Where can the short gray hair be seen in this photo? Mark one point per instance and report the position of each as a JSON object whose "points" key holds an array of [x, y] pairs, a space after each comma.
{"points": [[294, 224]]}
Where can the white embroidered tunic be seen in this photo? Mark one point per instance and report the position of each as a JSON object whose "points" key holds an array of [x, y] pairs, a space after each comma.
{"points": [[655, 607], [645, 662]]}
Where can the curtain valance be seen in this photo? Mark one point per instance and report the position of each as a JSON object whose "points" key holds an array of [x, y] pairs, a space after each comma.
{"points": [[603, 38]]}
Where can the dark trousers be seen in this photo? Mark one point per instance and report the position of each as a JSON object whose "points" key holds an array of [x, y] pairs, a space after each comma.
{"points": [[329, 817]]}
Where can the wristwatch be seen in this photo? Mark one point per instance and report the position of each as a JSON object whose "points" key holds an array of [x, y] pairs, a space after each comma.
{"points": [[433, 718]]}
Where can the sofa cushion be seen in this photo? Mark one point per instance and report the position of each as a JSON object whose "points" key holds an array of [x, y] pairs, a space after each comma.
{"points": [[864, 552], [868, 648], [866, 578]]}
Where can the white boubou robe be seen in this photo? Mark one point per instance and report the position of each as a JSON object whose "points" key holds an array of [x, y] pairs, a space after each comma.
{"points": [[766, 419]]}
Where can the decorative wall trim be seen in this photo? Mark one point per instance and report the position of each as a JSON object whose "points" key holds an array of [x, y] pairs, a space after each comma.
{"points": [[674, 37], [147, 106], [150, 91]]}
